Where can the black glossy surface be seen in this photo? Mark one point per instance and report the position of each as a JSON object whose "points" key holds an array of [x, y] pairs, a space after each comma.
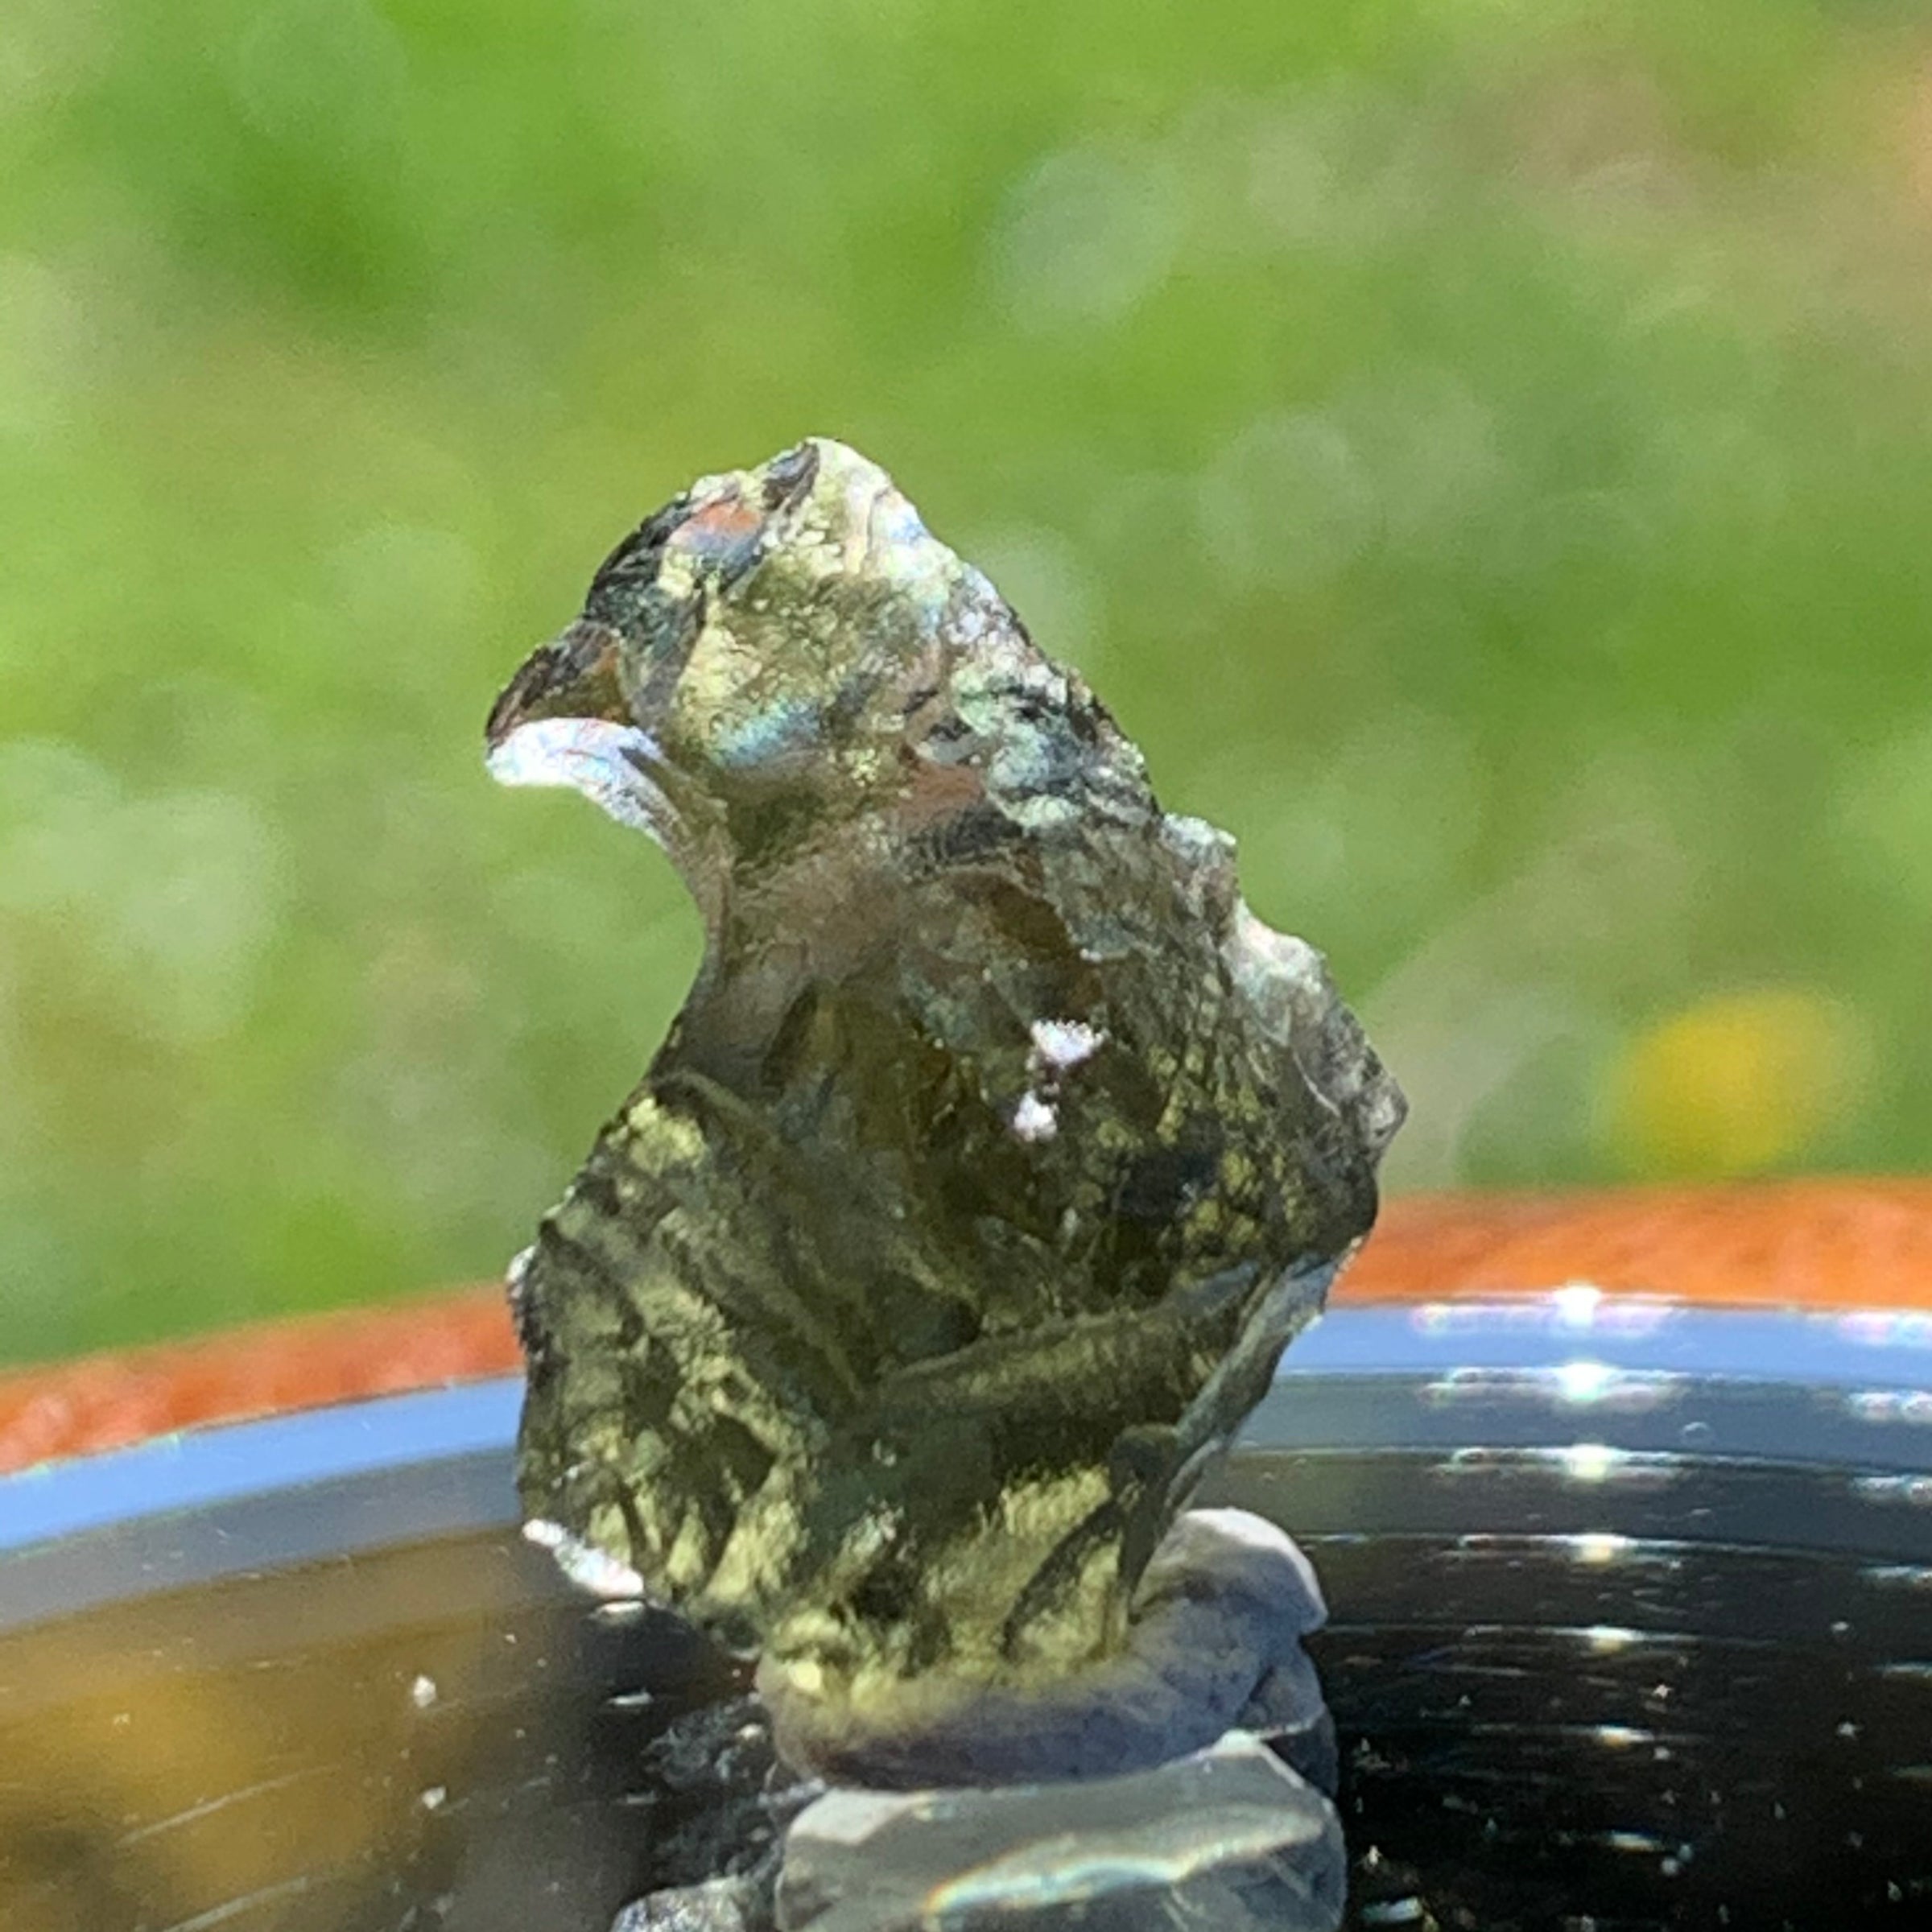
{"points": [[1572, 1690], [433, 1735]]}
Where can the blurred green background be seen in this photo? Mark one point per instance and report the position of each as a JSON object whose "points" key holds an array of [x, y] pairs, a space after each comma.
{"points": [[1483, 451]]}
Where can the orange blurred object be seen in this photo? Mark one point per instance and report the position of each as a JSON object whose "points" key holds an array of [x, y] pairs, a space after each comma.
{"points": [[106, 1401], [1808, 1244], [1819, 1244]]}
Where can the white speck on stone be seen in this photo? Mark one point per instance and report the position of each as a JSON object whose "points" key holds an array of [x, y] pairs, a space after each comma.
{"points": [[1034, 1120], [422, 1692], [432, 1799], [1060, 1044]]}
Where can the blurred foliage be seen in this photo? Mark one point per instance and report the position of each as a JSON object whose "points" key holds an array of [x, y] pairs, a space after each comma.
{"points": [[1483, 451]]}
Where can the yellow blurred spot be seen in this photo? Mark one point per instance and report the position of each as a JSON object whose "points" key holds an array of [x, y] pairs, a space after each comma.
{"points": [[1734, 1083]]}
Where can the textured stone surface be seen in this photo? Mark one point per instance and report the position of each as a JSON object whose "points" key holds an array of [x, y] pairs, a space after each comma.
{"points": [[1228, 1839], [996, 1155], [719, 1904], [1215, 1641]]}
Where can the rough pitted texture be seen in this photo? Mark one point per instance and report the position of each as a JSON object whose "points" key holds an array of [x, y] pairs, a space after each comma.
{"points": [[996, 1152]]}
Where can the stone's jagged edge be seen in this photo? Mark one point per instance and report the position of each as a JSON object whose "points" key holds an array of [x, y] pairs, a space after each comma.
{"points": [[996, 1152]]}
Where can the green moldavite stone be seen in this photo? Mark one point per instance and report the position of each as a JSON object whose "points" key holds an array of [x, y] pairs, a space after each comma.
{"points": [[997, 1153]]}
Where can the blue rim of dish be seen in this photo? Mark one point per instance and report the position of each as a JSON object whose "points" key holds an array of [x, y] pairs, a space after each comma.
{"points": [[1852, 1388]]}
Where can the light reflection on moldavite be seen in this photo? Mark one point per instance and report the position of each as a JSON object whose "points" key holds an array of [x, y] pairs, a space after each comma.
{"points": [[996, 1155]]}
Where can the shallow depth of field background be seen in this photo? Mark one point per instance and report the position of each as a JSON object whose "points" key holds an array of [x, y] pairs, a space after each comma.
{"points": [[1483, 451]]}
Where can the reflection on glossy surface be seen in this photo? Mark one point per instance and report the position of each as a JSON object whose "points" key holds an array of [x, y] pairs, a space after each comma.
{"points": [[1643, 1704], [1680, 1715], [1693, 1688], [265, 1754]]}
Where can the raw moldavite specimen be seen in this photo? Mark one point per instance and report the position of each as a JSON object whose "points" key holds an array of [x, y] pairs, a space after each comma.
{"points": [[997, 1153]]}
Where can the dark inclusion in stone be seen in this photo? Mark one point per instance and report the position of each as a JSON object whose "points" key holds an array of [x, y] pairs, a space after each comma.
{"points": [[997, 1153]]}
